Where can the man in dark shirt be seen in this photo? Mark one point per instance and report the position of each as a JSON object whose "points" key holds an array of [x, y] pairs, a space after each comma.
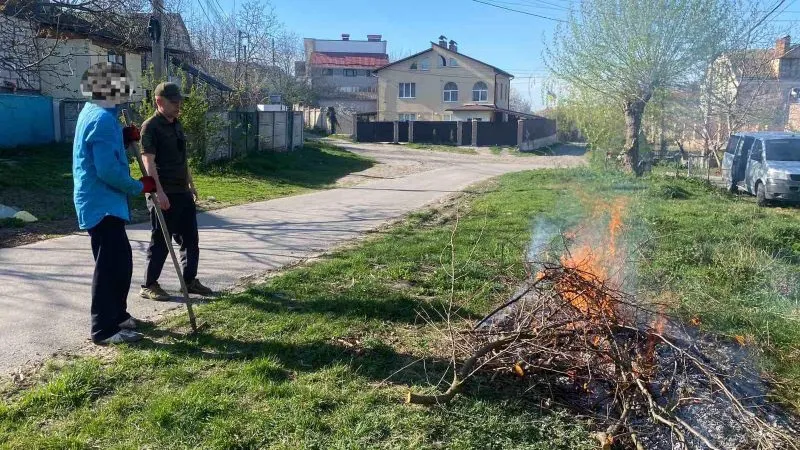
{"points": [[165, 159]]}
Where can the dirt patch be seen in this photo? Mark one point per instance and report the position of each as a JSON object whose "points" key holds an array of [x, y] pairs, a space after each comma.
{"points": [[381, 172], [35, 232]]}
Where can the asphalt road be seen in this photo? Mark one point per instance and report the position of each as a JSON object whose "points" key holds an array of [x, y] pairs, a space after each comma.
{"points": [[45, 287]]}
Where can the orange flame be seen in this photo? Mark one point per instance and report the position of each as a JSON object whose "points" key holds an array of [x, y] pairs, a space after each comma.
{"points": [[594, 264]]}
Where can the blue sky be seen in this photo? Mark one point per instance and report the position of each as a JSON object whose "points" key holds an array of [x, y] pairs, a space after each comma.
{"points": [[509, 40]]}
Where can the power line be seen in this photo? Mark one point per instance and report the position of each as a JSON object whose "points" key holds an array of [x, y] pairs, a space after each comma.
{"points": [[543, 5], [520, 11], [761, 21]]}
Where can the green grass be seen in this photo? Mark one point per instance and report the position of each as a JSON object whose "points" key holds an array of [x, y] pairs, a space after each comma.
{"points": [[442, 148], [39, 179], [271, 370], [264, 176], [731, 264], [313, 358]]}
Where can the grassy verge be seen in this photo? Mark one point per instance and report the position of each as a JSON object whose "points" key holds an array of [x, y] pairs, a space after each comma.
{"points": [[301, 362], [442, 148], [315, 357], [265, 176], [730, 264], [39, 180]]}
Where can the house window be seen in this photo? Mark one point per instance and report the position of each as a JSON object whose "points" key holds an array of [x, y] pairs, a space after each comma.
{"points": [[413, 66], [327, 72], [480, 92], [425, 64], [116, 58], [408, 90], [453, 62], [442, 61], [450, 92], [350, 72], [403, 117]]}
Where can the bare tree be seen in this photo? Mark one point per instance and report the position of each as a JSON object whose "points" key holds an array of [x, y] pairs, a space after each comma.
{"points": [[250, 51], [32, 34], [516, 102], [627, 50]]}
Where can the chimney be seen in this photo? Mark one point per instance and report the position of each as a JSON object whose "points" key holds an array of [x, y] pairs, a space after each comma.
{"points": [[453, 46], [443, 41], [345, 37], [782, 46], [374, 37]]}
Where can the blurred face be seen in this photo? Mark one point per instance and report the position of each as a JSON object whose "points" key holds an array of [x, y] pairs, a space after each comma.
{"points": [[106, 83], [168, 108]]}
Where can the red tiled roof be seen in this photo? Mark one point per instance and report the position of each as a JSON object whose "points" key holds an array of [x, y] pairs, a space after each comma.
{"points": [[363, 60]]}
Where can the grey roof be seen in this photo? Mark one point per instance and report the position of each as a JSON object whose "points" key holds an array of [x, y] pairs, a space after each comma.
{"points": [[433, 44]]}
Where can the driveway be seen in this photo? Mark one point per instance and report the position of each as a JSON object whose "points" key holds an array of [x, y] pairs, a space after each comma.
{"points": [[45, 287]]}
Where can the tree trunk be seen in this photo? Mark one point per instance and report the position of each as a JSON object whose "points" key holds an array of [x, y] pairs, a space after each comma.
{"points": [[634, 110]]}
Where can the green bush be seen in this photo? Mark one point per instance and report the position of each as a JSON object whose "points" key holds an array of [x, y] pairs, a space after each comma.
{"points": [[202, 129]]}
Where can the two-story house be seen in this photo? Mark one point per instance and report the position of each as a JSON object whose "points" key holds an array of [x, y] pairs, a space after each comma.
{"points": [[341, 72], [756, 89], [441, 83]]}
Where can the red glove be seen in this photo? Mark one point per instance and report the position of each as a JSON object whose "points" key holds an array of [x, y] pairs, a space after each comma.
{"points": [[148, 185], [130, 134]]}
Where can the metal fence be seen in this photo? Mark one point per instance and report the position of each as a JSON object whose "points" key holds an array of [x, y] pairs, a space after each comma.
{"points": [[497, 133], [436, 132], [375, 131], [242, 132]]}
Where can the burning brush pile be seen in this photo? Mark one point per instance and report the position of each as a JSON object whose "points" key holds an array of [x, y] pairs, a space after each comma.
{"points": [[647, 380]]}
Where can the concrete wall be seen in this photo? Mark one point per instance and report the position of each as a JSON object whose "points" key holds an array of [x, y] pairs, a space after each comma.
{"points": [[274, 132], [538, 143], [429, 103], [26, 120], [71, 58]]}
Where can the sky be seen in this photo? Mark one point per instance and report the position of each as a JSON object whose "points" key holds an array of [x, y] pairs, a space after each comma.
{"points": [[511, 40]]}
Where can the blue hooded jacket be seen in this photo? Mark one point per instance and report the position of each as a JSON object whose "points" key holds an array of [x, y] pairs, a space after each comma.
{"points": [[100, 168]]}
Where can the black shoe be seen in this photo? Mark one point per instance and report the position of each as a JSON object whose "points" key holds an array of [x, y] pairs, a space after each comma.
{"points": [[195, 287]]}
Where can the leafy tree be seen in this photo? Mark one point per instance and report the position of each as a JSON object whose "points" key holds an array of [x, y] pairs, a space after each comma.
{"points": [[627, 50]]}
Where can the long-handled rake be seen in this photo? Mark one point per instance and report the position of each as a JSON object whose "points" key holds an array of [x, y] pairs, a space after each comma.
{"points": [[132, 148]]}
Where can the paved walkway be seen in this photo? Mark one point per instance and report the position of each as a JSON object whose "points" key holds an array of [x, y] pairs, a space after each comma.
{"points": [[44, 287]]}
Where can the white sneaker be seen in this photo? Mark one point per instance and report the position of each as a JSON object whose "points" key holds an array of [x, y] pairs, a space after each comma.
{"points": [[129, 324], [122, 337]]}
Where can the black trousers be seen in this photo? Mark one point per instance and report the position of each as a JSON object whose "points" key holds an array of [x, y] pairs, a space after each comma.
{"points": [[181, 219], [113, 267]]}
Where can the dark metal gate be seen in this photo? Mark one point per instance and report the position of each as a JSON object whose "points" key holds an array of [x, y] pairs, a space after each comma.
{"points": [[243, 132]]}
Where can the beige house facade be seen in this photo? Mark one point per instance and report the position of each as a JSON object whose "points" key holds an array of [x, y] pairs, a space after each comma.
{"points": [[441, 84]]}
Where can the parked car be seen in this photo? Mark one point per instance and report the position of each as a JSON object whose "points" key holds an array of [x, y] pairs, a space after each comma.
{"points": [[764, 164]]}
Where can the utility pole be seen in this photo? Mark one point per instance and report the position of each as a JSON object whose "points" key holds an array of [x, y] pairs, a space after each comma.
{"points": [[238, 53], [157, 38]]}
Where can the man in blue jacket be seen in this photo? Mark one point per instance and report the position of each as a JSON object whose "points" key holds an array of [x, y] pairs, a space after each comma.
{"points": [[102, 185]]}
